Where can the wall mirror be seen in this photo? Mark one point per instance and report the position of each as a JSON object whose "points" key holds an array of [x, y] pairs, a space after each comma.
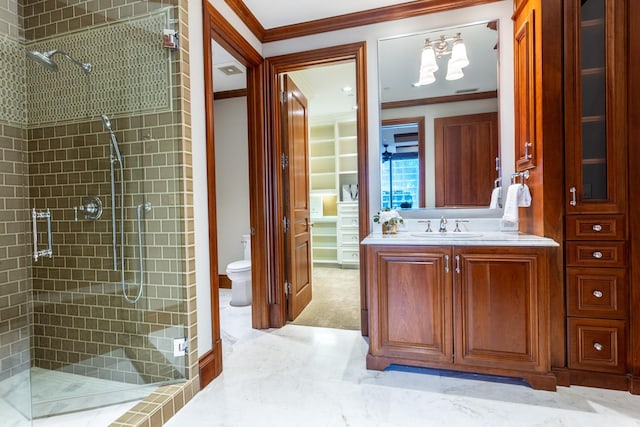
{"points": [[439, 139]]}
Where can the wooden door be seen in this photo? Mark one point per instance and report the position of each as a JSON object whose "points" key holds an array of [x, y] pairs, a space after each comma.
{"points": [[296, 189], [501, 309], [466, 148], [410, 306]]}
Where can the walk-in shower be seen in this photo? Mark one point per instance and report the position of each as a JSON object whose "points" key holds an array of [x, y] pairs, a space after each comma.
{"points": [[71, 337]]}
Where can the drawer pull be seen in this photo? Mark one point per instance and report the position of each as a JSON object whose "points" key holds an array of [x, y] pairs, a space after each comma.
{"points": [[598, 346], [597, 254], [597, 293], [446, 263], [355, 255], [596, 227]]}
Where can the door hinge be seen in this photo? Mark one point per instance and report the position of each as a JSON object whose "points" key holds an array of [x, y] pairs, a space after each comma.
{"points": [[287, 288], [285, 224], [283, 96], [180, 346], [284, 161]]}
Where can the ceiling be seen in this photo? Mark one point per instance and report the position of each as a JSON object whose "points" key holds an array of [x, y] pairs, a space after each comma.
{"points": [[277, 13]]}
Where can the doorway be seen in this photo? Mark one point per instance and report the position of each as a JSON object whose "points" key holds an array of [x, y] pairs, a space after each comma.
{"points": [[330, 90], [265, 176]]}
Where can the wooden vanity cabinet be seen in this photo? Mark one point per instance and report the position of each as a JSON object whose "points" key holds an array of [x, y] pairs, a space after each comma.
{"points": [[474, 309]]}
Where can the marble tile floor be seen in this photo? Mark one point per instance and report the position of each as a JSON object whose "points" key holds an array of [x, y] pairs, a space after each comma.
{"points": [[306, 376]]}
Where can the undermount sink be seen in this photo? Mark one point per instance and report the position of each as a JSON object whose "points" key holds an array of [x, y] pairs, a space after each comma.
{"points": [[447, 235]]}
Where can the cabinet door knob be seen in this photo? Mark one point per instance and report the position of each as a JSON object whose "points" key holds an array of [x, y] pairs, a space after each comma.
{"points": [[597, 254], [598, 346], [597, 227], [597, 293]]}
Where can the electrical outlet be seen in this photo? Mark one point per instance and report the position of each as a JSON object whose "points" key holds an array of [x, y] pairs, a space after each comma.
{"points": [[180, 347]]}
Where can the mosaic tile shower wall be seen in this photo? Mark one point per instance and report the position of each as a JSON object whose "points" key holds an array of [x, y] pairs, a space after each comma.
{"points": [[130, 73]]}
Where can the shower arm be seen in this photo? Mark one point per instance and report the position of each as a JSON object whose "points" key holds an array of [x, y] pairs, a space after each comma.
{"points": [[87, 67]]}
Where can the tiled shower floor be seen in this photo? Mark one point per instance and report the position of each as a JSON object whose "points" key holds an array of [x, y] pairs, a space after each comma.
{"points": [[56, 392]]}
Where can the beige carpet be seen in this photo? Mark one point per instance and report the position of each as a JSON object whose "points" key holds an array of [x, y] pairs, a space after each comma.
{"points": [[336, 299]]}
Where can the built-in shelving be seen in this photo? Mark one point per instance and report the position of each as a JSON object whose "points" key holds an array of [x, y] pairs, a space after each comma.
{"points": [[333, 163]]}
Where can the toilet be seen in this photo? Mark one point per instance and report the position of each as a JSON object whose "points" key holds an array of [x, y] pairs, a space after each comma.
{"points": [[239, 272]]}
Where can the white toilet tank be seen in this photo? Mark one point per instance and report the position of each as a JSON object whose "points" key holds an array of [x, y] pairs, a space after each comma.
{"points": [[246, 241]]}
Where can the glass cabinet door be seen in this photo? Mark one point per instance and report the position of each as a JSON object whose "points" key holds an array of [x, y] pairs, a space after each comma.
{"points": [[595, 106]]}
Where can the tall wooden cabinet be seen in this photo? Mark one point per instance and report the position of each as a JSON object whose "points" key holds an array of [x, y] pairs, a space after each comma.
{"points": [[596, 236]]}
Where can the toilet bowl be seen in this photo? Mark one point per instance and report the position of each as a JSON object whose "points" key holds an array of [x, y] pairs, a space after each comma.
{"points": [[239, 272]]}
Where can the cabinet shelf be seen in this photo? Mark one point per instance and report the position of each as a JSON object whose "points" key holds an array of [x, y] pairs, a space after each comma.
{"points": [[591, 119], [587, 23], [595, 71], [598, 161]]}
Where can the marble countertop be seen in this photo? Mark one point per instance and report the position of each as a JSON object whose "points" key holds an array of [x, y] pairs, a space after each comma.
{"points": [[488, 238]]}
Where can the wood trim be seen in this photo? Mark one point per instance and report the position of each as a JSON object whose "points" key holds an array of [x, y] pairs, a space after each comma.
{"points": [[421, 150], [633, 122], [292, 62], [227, 94], [440, 100], [366, 17], [215, 27], [224, 282], [247, 17], [206, 368]]}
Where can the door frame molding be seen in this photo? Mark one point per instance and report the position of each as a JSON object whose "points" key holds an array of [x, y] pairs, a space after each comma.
{"points": [[217, 28], [274, 66]]}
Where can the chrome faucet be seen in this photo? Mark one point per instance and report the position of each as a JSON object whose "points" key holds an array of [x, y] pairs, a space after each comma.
{"points": [[443, 225], [428, 222]]}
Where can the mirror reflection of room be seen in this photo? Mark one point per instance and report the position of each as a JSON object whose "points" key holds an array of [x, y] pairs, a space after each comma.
{"points": [[448, 80]]}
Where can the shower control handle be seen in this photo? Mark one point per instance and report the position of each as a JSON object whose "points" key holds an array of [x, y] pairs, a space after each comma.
{"points": [[91, 207]]}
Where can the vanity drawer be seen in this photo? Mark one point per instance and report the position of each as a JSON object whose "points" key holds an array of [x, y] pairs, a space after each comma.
{"points": [[597, 345], [596, 254], [597, 292], [595, 227]]}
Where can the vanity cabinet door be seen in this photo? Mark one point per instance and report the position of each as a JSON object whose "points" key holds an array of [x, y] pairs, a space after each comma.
{"points": [[501, 308], [524, 43], [410, 305]]}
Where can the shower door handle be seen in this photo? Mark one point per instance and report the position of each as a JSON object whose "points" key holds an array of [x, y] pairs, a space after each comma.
{"points": [[35, 217]]}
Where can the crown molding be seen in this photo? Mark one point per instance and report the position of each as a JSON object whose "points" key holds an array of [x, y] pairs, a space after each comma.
{"points": [[350, 20]]}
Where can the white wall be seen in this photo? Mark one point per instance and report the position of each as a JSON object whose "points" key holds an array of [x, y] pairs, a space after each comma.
{"points": [[232, 178], [430, 113], [198, 135], [372, 33]]}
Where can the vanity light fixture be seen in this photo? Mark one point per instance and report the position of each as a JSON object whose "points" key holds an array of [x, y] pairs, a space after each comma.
{"points": [[434, 50]]}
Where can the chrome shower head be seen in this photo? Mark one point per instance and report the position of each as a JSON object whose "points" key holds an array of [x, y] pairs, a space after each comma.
{"points": [[45, 60]]}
